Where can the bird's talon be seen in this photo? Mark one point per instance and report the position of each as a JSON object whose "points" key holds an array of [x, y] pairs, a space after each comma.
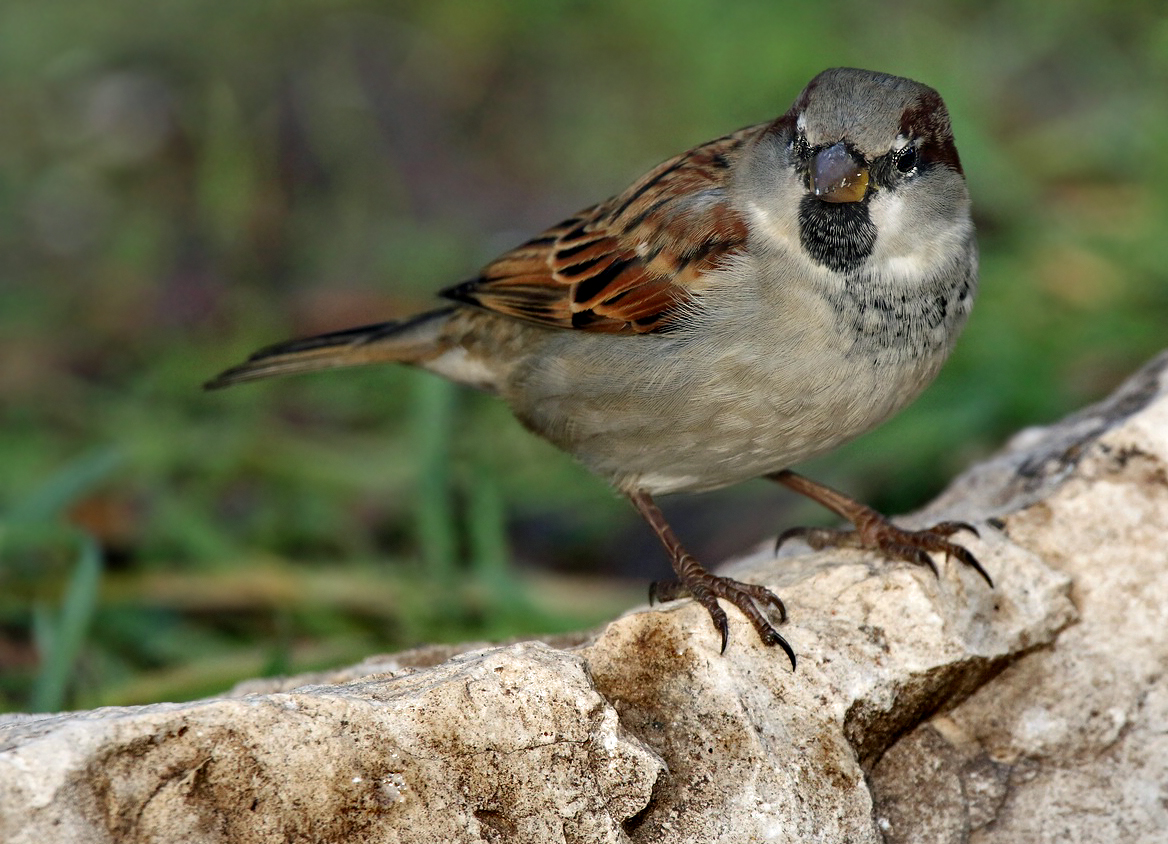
{"points": [[789, 533], [947, 529]]}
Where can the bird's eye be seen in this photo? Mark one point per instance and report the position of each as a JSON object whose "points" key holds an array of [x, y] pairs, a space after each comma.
{"points": [[906, 159]]}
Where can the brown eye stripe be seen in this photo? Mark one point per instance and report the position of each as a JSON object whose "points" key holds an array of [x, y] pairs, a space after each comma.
{"points": [[928, 119]]}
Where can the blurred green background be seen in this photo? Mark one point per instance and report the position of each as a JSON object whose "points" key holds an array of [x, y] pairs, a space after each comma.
{"points": [[181, 182]]}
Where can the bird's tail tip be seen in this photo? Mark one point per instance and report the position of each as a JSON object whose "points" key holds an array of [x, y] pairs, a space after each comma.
{"points": [[402, 341]]}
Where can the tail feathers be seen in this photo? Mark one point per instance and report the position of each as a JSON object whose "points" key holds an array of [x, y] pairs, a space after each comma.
{"points": [[405, 341]]}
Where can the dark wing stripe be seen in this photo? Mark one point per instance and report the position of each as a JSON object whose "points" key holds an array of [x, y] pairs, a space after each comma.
{"points": [[566, 252], [579, 231], [573, 270], [596, 286], [644, 215]]}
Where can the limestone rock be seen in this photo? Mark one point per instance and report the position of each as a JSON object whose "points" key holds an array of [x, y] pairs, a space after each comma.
{"points": [[496, 745], [1070, 743], [921, 710]]}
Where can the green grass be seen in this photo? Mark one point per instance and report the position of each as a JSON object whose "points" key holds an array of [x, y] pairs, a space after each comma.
{"points": [[181, 183]]}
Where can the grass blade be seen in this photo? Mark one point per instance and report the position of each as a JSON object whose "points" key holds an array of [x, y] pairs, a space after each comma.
{"points": [[61, 639]]}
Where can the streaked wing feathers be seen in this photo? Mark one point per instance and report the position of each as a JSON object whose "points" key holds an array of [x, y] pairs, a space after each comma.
{"points": [[630, 264]]}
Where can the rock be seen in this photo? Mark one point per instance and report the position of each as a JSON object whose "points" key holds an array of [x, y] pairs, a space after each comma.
{"points": [[1070, 743], [501, 744], [921, 710]]}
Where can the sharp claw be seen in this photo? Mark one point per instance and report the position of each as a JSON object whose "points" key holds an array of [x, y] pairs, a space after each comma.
{"points": [[966, 557], [874, 532], [724, 629], [971, 560], [718, 616], [706, 588], [774, 638], [789, 533], [923, 558], [769, 597], [781, 607], [896, 543], [950, 528]]}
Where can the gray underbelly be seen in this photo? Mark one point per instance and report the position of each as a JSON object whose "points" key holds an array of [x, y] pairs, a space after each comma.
{"points": [[687, 415]]}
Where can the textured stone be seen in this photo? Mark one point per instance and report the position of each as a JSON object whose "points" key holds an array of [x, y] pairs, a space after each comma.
{"points": [[1078, 730], [506, 744], [923, 709]]}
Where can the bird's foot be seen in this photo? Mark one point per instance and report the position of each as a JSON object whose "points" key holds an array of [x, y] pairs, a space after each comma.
{"points": [[706, 589], [873, 532]]}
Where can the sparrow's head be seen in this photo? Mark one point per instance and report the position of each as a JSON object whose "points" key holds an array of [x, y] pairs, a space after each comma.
{"points": [[866, 169]]}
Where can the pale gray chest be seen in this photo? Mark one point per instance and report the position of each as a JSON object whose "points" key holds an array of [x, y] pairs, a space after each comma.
{"points": [[896, 324]]}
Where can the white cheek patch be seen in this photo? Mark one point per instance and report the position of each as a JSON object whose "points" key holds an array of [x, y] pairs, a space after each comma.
{"points": [[888, 215], [903, 247]]}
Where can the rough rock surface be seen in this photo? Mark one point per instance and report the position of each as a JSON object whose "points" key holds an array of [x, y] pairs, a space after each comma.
{"points": [[1069, 744], [921, 710]]}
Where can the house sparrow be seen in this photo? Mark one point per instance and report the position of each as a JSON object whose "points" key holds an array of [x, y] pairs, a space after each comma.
{"points": [[748, 304]]}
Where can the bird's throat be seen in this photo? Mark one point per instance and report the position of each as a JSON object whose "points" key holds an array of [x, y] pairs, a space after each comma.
{"points": [[838, 235]]}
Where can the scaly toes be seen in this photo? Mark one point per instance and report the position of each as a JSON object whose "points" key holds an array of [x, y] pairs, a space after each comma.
{"points": [[878, 534], [761, 595], [718, 616], [914, 546], [707, 588], [666, 590], [949, 528], [900, 548], [744, 596]]}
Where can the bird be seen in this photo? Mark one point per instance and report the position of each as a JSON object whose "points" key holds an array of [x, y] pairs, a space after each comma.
{"points": [[751, 303]]}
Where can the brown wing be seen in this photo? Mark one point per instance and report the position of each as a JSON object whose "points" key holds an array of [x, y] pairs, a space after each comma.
{"points": [[627, 264]]}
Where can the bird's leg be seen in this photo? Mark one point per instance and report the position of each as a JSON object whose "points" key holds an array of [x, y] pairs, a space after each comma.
{"points": [[706, 588], [873, 531]]}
